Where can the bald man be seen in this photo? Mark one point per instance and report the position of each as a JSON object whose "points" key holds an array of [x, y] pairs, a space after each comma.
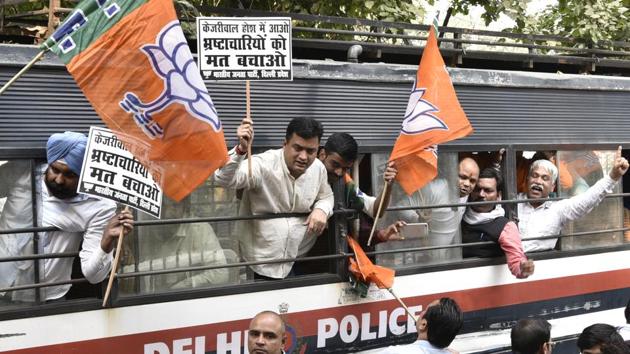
{"points": [[266, 334], [468, 177], [84, 223]]}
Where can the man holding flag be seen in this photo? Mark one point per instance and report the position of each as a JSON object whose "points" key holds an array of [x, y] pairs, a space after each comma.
{"points": [[433, 116]]}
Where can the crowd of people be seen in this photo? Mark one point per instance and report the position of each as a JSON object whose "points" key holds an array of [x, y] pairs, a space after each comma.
{"points": [[440, 322], [297, 178]]}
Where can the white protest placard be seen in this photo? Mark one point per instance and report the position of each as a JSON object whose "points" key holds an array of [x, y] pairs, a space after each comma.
{"points": [[110, 171], [247, 48]]}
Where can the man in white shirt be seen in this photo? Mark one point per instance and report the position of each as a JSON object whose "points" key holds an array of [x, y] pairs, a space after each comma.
{"points": [[437, 327], [546, 218], [444, 223], [286, 180], [84, 222], [438, 191]]}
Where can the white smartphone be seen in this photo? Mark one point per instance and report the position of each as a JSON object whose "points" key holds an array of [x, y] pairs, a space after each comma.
{"points": [[415, 230]]}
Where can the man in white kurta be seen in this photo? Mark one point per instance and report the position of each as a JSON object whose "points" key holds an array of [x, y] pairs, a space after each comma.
{"points": [[546, 218], [286, 180]]}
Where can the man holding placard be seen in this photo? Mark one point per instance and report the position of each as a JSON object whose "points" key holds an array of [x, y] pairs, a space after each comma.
{"points": [[286, 180], [82, 221]]}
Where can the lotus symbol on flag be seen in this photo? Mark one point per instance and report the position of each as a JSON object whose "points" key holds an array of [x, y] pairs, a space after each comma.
{"points": [[418, 117], [172, 61]]}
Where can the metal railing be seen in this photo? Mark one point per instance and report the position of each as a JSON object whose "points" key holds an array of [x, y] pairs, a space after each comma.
{"points": [[336, 256], [399, 39]]}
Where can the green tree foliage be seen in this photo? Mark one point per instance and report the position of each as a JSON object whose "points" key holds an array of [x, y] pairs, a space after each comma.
{"points": [[589, 21], [382, 10], [515, 9]]}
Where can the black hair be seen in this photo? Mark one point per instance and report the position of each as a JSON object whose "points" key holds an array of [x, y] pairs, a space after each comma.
{"points": [[492, 173], [598, 334], [444, 321], [305, 128], [615, 348], [342, 144], [529, 335], [627, 312]]}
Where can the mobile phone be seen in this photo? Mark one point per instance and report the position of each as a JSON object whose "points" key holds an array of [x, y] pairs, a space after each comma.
{"points": [[415, 230]]}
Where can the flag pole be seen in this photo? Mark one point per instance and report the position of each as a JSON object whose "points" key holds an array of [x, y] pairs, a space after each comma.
{"points": [[21, 72], [391, 291], [251, 140], [378, 213], [112, 274]]}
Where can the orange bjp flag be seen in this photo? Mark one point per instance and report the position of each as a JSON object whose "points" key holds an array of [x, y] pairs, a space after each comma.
{"points": [[433, 116], [131, 60], [365, 271]]}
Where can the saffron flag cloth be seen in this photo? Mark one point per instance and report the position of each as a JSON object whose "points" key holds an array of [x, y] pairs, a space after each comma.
{"points": [[433, 116], [365, 271], [131, 60]]}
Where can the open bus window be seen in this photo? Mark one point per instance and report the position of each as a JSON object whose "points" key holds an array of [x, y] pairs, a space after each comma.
{"points": [[577, 172], [444, 223], [16, 212], [585, 168], [183, 245]]}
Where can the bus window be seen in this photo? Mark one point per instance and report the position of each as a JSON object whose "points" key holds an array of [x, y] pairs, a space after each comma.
{"points": [[524, 160], [185, 245], [443, 222], [586, 168], [16, 212]]}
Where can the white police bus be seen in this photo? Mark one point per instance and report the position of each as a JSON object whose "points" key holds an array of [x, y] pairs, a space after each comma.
{"points": [[184, 289]]}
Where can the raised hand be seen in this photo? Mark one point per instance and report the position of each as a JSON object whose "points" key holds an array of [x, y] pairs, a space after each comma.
{"points": [[245, 134], [497, 157], [390, 172], [620, 166]]}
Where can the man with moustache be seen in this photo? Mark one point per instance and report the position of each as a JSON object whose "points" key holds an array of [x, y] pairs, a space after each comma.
{"points": [[468, 175], [286, 180], [488, 223], [437, 192], [546, 218], [82, 221]]}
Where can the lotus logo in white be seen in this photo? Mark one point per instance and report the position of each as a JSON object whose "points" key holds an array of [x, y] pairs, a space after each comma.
{"points": [[418, 118], [172, 61]]}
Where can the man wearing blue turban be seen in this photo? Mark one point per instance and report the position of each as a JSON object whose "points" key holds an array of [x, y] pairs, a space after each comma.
{"points": [[83, 222]]}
